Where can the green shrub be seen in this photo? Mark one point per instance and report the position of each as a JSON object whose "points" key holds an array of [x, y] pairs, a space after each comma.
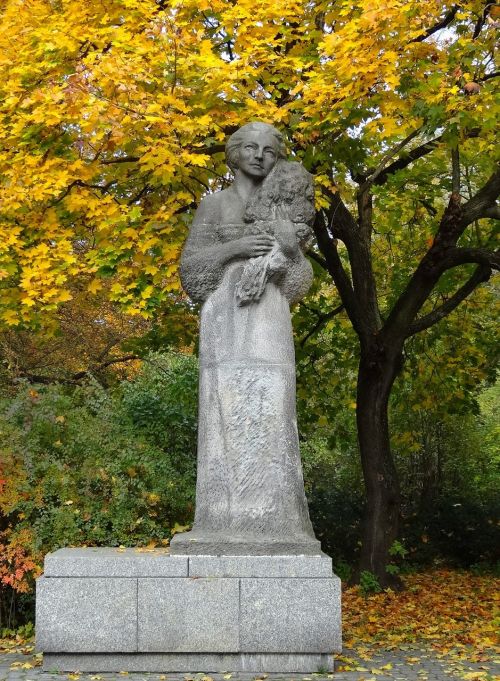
{"points": [[92, 467], [369, 583]]}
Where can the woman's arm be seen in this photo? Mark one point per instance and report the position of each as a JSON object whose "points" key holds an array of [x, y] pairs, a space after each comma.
{"points": [[204, 256]]}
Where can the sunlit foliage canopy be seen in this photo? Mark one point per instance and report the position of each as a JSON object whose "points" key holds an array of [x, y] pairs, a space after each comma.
{"points": [[113, 117]]}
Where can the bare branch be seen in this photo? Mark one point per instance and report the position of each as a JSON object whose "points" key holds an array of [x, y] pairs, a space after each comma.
{"points": [[482, 273], [390, 154], [328, 247], [462, 256], [482, 19], [317, 258], [487, 76], [445, 21], [75, 378], [79, 183], [443, 255], [429, 207], [323, 319], [340, 219], [147, 187], [407, 159], [483, 203], [213, 149], [356, 236], [492, 212], [119, 159], [113, 360], [455, 171]]}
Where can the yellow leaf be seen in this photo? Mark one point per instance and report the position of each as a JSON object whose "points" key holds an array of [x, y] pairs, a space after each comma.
{"points": [[94, 286], [10, 317]]}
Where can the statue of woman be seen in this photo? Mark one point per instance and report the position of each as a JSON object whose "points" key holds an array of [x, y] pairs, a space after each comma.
{"points": [[244, 262]]}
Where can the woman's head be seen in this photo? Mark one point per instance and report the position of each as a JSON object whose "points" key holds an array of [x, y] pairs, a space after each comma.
{"points": [[256, 147]]}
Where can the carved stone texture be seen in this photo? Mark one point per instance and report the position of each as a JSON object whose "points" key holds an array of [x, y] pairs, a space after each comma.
{"points": [[250, 492]]}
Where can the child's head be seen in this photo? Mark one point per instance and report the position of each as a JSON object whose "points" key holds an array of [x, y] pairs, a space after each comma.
{"points": [[288, 186]]}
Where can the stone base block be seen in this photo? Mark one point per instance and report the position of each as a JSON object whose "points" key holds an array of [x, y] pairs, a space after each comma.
{"points": [[189, 662], [191, 543], [116, 610]]}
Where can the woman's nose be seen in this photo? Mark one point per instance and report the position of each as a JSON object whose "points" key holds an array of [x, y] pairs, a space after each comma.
{"points": [[259, 154]]}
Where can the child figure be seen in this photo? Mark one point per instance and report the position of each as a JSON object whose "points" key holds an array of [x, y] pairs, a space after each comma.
{"points": [[285, 196]]}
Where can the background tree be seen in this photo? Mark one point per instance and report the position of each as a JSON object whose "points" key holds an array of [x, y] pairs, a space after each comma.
{"points": [[113, 123]]}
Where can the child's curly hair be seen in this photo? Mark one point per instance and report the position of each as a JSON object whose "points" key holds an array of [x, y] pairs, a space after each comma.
{"points": [[288, 186]]}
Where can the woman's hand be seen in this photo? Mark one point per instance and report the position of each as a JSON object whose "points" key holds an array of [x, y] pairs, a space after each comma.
{"points": [[252, 246]]}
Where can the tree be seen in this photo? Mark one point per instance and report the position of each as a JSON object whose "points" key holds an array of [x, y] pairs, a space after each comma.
{"points": [[113, 124], [92, 336]]}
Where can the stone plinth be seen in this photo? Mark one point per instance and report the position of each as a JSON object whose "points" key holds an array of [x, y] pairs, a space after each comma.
{"points": [[132, 610]]}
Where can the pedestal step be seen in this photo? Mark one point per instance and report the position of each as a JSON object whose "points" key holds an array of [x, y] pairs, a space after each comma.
{"points": [[189, 662], [130, 610]]}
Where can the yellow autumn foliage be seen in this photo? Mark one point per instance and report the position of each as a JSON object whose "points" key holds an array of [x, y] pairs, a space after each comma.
{"points": [[113, 118]]}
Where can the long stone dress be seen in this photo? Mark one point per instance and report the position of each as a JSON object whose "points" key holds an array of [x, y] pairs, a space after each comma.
{"points": [[250, 492]]}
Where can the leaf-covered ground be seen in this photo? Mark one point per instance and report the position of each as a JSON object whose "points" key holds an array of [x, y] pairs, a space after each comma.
{"points": [[444, 625], [449, 615], [448, 610]]}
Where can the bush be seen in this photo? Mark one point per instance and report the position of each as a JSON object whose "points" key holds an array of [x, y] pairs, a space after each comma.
{"points": [[457, 530], [90, 467], [334, 490]]}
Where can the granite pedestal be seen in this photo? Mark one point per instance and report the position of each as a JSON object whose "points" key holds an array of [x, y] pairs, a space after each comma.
{"points": [[148, 611]]}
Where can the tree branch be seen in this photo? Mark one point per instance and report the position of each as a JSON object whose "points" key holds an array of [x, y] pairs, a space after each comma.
{"points": [[404, 161], [482, 273], [462, 256], [340, 219], [356, 236], [79, 183], [481, 21], [317, 258], [482, 204], [113, 360], [455, 171], [487, 76], [492, 212], [445, 21], [390, 154], [75, 378], [120, 159], [321, 323], [328, 246], [213, 149]]}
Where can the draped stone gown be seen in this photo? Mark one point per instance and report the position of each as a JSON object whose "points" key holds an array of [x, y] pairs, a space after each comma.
{"points": [[250, 492]]}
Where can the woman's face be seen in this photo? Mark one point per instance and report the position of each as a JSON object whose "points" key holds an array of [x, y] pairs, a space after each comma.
{"points": [[258, 154]]}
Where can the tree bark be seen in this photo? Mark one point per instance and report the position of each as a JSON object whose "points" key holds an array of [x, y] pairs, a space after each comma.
{"points": [[377, 372]]}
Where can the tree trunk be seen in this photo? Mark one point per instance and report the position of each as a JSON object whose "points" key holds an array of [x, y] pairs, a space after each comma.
{"points": [[377, 372]]}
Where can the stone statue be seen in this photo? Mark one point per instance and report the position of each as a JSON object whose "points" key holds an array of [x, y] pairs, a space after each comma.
{"points": [[244, 262], [258, 596]]}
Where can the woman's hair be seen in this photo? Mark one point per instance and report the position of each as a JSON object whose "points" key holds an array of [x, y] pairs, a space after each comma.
{"points": [[238, 137], [288, 186]]}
